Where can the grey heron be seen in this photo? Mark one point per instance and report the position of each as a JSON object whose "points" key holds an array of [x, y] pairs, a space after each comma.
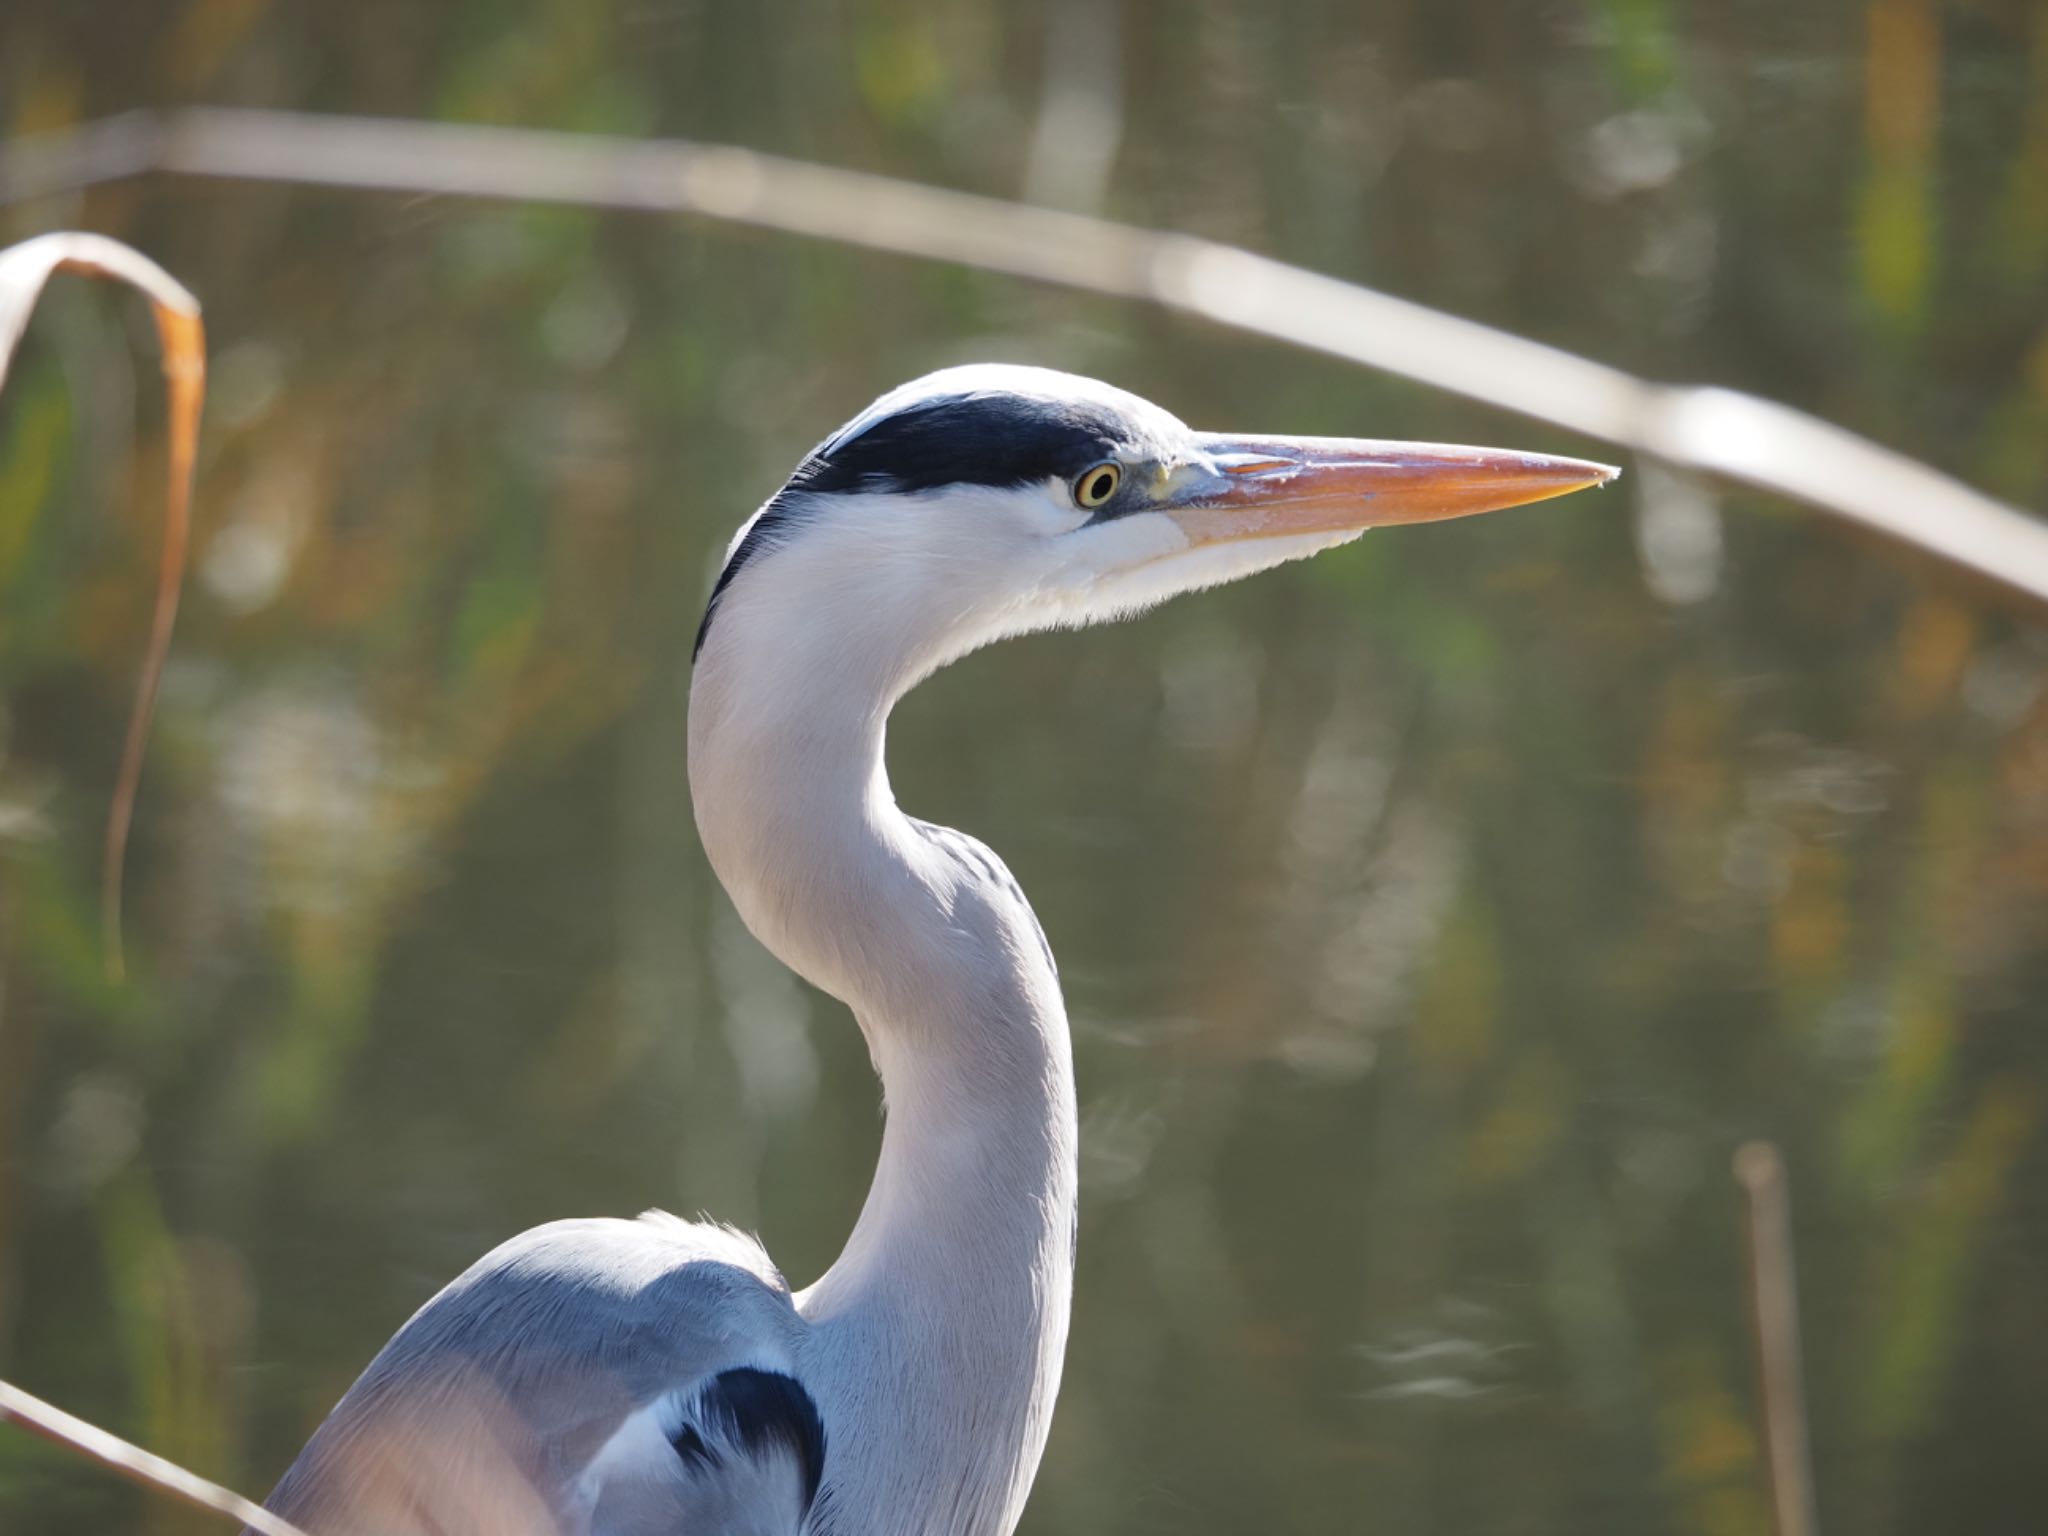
{"points": [[626, 1378]]}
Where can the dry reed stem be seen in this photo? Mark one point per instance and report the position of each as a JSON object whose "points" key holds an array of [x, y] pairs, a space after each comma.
{"points": [[24, 269]]}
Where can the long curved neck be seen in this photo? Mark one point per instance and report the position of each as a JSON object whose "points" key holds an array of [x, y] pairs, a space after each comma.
{"points": [[945, 1317]]}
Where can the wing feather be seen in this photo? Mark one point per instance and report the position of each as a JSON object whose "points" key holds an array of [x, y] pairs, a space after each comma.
{"points": [[546, 1390]]}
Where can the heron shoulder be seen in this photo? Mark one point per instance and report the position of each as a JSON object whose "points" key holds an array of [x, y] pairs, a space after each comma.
{"points": [[643, 1302], [499, 1393]]}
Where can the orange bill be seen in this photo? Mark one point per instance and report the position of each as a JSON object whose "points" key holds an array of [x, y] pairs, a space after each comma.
{"points": [[1269, 487]]}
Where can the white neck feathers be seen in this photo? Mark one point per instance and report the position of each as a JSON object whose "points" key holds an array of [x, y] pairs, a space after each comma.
{"points": [[946, 1315]]}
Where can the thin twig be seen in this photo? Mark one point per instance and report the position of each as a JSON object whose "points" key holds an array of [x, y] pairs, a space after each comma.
{"points": [[1720, 431], [1774, 1311], [24, 268], [134, 1463]]}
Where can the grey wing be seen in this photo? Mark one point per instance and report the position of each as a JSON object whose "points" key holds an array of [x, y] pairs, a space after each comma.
{"points": [[589, 1378]]}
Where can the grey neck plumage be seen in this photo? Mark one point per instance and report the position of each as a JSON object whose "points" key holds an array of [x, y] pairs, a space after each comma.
{"points": [[935, 1341]]}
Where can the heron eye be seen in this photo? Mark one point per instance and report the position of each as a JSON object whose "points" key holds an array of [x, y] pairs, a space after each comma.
{"points": [[1097, 485]]}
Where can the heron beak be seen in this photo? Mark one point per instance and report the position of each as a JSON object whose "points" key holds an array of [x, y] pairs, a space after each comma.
{"points": [[1271, 487]]}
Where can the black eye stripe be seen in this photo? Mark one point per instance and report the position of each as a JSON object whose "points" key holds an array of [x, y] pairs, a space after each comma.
{"points": [[996, 439]]}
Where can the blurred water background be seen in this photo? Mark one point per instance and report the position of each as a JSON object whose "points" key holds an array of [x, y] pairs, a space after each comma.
{"points": [[1436, 918]]}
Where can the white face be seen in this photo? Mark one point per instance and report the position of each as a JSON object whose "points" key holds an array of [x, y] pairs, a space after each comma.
{"points": [[880, 586], [1043, 561]]}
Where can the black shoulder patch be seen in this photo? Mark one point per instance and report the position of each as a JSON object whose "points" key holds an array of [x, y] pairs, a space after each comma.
{"points": [[755, 1412]]}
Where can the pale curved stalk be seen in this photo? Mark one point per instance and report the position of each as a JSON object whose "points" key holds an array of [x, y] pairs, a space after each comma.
{"points": [[1741, 437], [24, 269], [134, 1463]]}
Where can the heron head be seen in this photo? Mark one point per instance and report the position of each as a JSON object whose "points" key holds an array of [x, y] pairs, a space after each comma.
{"points": [[991, 500]]}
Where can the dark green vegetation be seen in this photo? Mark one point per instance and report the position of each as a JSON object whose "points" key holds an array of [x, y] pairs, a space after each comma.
{"points": [[1436, 918]]}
